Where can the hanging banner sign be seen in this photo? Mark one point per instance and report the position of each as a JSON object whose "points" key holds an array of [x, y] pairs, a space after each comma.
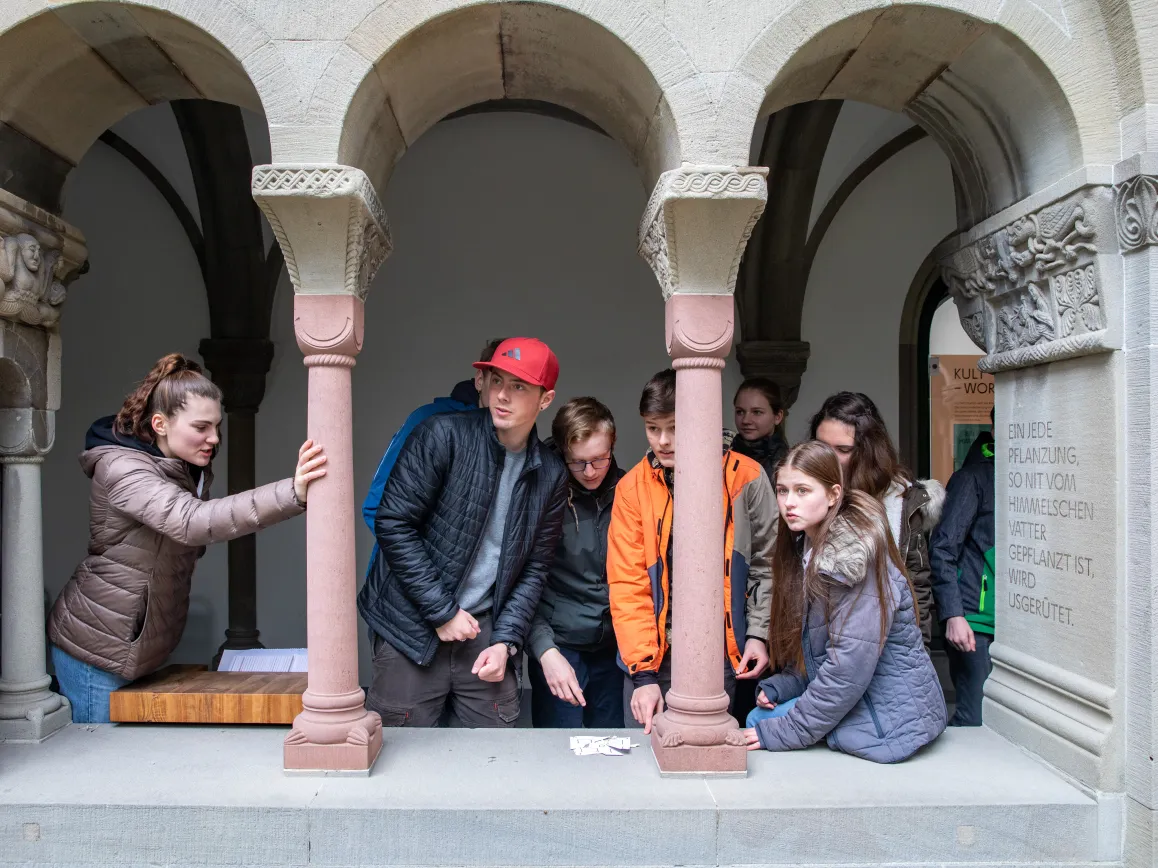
{"points": [[960, 399]]}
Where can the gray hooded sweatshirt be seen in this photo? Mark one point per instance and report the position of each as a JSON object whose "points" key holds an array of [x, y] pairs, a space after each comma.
{"points": [[880, 703]]}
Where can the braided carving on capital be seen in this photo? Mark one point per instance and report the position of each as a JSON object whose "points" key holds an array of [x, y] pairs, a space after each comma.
{"points": [[329, 360], [697, 214], [297, 198]]}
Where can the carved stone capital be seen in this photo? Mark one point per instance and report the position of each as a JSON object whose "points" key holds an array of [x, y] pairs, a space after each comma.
{"points": [[1034, 291], [1136, 210], [238, 366], [329, 328], [782, 362], [40, 255], [697, 224], [331, 227]]}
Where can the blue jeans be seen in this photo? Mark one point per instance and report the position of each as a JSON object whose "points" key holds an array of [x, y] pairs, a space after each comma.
{"points": [[758, 714], [601, 681], [86, 687]]}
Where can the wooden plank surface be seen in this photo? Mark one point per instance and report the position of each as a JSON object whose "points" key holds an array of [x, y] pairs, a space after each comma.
{"points": [[191, 694]]}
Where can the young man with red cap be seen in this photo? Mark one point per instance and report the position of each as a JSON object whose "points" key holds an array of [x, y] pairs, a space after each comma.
{"points": [[467, 528]]}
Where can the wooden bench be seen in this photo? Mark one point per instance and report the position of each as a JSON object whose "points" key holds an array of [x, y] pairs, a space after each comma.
{"points": [[184, 693]]}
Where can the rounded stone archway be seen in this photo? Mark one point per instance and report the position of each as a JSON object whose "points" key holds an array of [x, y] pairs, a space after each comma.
{"points": [[991, 99], [501, 52]]}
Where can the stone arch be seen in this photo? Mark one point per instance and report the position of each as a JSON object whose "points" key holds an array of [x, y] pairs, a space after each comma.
{"points": [[72, 71], [1008, 101], [424, 68]]}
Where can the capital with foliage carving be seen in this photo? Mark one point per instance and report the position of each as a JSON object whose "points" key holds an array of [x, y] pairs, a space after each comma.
{"points": [[1035, 290], [329, 222], [697, 223]]}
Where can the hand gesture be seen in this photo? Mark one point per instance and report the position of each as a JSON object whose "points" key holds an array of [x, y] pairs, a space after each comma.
{"points": [[762, 701], [754, 661], [461, 627], [560, 677], [646, 703], [491, 665], [752, 740], [960, 634], [311, 457]]}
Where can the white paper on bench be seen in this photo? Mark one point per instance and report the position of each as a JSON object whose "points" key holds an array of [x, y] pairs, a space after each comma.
{"points": [[264, 660]]}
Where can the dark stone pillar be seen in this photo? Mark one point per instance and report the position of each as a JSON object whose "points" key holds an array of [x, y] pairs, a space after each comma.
{"points": [[239, 367], [782, 362]]}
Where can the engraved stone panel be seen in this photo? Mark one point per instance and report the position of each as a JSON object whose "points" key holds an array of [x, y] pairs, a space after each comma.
{"points": [[1056, 678]]}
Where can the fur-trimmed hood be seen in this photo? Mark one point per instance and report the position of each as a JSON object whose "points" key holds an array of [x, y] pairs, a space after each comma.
{"points": [[846, 555], [923, 500]]}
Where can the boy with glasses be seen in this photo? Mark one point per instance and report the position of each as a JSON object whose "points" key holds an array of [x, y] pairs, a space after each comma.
{"points": [[575, 679]]}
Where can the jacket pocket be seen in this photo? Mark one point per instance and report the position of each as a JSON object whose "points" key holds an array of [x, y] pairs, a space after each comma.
{"points": [[872, 710], [142, 619]]}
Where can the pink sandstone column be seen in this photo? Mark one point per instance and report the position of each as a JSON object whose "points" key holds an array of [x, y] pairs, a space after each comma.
{"points": [[334, 730], [695, 734]]}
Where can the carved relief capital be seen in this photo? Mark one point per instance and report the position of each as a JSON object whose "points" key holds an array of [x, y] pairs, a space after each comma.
{"points": [[329, 328], [1136, 212], [40, 255], [329, 222], [1034, 291], [697, 224]]}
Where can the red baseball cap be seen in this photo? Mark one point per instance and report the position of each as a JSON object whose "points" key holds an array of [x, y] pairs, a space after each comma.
{"points": [[528, 359]]}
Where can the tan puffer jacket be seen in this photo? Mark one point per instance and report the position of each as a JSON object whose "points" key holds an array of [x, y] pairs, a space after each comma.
{"points": [[124, 608]]}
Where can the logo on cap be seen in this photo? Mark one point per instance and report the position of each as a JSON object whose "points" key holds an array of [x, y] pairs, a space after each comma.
{"points": [[515, 354]]}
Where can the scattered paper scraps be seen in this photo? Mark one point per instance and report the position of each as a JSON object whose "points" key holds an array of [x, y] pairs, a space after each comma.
{"points": [[606, 745]]}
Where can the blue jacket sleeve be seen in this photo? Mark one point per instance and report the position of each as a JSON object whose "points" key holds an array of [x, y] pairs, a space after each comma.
{"points": [[409, 496], [961, 504], [378, 484]]}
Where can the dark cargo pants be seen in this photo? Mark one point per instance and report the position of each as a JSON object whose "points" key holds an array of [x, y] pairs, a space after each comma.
{"points": [[406, 694]]}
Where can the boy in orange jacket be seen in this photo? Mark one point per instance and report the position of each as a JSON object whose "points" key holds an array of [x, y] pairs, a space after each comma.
{"points": [[639, 559]]}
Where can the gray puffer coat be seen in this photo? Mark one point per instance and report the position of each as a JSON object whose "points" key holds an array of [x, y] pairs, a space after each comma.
{"points": [[879, 703]]}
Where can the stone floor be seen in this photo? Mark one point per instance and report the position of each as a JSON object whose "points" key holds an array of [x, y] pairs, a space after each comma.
{"points": [[158, 796]]}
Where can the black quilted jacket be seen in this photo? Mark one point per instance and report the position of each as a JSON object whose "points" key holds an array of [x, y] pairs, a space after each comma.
{"points": [[430, 523]]}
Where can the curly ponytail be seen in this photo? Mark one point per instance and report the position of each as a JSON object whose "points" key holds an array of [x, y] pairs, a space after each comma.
{"points": [[173, 380]]}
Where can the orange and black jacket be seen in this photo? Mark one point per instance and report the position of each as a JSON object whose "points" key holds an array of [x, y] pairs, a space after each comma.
{"points": [[639, 575]]}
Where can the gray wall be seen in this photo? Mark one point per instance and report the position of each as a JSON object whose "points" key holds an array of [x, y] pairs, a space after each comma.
{"points": [[503, 224]]}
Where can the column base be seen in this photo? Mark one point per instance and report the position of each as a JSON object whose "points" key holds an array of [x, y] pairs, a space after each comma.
{"points": [[354, 756], [36, 726], [689, 760], [332, 759]]}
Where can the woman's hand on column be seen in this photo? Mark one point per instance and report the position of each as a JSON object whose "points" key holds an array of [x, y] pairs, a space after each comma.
{"points": [[311, 457]]}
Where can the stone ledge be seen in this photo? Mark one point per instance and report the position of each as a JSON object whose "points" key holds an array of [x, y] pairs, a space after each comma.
{"points": [[200, 796]]}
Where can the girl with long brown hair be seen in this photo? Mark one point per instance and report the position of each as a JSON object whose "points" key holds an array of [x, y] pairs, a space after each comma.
{"points": [[123, 611], [844, 641], [852, 425]]}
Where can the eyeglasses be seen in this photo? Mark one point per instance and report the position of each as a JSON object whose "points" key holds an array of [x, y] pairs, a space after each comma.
{"points": [[597, 464]]}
